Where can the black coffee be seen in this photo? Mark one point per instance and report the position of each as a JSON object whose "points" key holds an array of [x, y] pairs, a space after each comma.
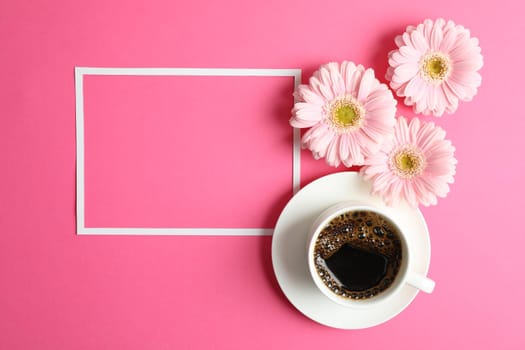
{"points": [[358, 254]]}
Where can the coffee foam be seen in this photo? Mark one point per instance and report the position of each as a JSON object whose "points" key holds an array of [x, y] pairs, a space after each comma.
{"points": [[365, 230]]}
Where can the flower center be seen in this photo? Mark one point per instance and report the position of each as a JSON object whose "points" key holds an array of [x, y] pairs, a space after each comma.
{"points": [[435, 67], [346, 113], [407, 162]]}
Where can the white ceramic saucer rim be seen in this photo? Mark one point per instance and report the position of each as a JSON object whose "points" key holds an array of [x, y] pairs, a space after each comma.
{"points": [[289, 251]]}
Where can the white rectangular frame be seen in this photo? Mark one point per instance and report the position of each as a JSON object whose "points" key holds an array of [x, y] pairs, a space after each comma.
{"points": [[80, 72]]}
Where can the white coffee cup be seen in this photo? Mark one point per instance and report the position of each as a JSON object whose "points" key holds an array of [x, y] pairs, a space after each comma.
{"points": [[405, 275]]}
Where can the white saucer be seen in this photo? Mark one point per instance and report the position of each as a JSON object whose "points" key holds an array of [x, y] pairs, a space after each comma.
{"points": [[289, 251]]}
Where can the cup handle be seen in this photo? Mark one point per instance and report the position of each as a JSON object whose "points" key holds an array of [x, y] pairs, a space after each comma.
{"points": [[421, 282]]}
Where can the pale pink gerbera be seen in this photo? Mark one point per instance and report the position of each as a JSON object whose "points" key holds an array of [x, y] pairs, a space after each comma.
{"points": [[415, 165], [435, 66], [348, 110]]}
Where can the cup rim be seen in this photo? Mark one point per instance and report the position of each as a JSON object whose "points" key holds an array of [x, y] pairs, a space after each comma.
{"points": [[326, 216]]}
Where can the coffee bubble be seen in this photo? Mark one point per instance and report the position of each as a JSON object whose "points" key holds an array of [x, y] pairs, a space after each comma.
{"points": [[358, 254]]}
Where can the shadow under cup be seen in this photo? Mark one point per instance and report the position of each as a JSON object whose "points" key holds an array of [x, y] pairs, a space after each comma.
{"points": [[359, 257]]}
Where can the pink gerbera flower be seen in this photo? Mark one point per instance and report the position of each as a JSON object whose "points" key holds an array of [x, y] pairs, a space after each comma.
{"points": [[415, 165], [435, 66], [349, 113]]}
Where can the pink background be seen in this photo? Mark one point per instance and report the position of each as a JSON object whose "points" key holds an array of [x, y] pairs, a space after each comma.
{"points": [[63, 291], [167, 151]]}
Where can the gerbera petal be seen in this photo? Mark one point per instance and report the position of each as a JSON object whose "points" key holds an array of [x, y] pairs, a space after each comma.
{"points": [[439, 169], [451, 98], [380, 98], [347, 71], [353, 85], [431, 180], [413, 86], [468, 79], [305, 115], [332, 152], [308, 95], [458, 89], [461, 48], [405, 72], [426, 29], [350, 114], [344, 147], [308, 110], [382, 182], [396, 59], [449, 38], [399, 40], [366, 86], [409, 193], [432, 98], [436, 65], [469, 65], [420, 44], [368, 145], [355, 150], [425, 191], [338, 84], [300, 123], [410, 52], [426, 135], [396, 188], [313, 134], [436, 37], [320, 89], [320, 145], [401, 131], [434, 188]]}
